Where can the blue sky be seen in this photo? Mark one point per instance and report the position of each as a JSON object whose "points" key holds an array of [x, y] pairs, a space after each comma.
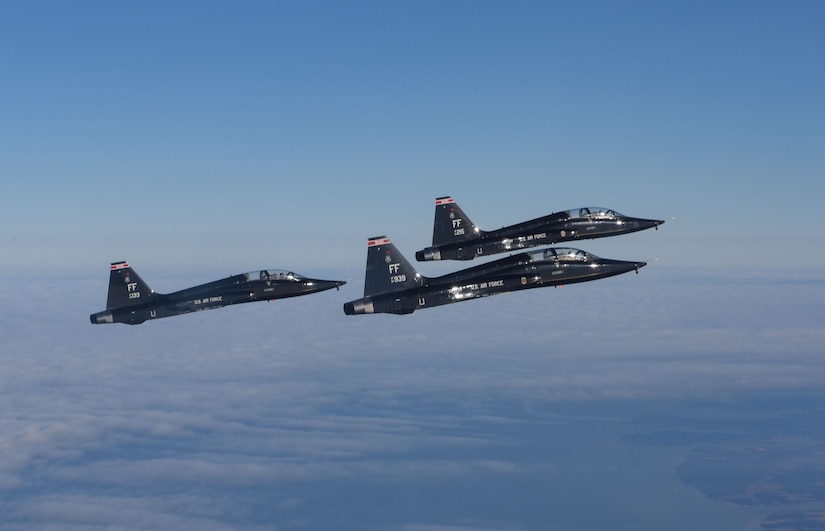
{"points": [[281, 134]]}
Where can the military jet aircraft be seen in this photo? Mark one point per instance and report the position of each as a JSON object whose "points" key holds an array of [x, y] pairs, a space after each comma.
{"points": [[455, 237], [392, 285], [131, 301]]}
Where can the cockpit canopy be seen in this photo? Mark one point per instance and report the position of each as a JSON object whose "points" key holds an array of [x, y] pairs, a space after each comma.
{"points": [[562, 254], [591, 213], [276, 274]]}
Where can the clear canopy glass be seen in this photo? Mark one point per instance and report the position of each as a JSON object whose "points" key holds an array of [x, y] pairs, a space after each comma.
{"points": [[275, 274], [591, 213], [562, 254]]}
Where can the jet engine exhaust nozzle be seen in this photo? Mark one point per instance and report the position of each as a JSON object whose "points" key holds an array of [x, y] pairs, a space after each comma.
{"points": [[430, 253], [361, 306], [101, 317]]}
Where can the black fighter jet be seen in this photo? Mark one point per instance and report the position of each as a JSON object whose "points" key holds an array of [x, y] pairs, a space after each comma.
{"points": [[392, 285], [455, 237], [132, 302]]}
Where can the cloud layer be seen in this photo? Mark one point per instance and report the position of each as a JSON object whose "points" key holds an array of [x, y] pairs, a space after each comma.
{"points": [[291, 415]]}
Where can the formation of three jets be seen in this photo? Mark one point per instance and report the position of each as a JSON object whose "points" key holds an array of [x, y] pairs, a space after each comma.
{"points": [[392, 285]]}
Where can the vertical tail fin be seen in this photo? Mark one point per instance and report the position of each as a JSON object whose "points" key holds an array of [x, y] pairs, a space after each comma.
{"points": [[126, 288], [387, 269], [451, 223]]}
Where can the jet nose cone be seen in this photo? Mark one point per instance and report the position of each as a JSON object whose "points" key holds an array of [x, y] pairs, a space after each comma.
{"points": [[636, 224], [329, 284], [315, 285], [638, 265], [619, 267], [650, 223]]}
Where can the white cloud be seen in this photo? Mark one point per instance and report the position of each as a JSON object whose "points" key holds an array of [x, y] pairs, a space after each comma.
{"points": [[83, 512], [174, 423]]}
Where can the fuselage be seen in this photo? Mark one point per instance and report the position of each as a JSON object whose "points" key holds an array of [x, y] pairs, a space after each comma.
{"points": [[246, 287], [569, 225], [548, 267]]}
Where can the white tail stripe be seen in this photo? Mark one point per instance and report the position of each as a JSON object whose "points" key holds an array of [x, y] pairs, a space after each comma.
{"points": [[122, 265], [381, 241], [444, 201]]}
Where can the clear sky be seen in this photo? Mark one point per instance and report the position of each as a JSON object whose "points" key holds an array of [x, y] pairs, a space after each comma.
{"points": [[284, 134]]}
